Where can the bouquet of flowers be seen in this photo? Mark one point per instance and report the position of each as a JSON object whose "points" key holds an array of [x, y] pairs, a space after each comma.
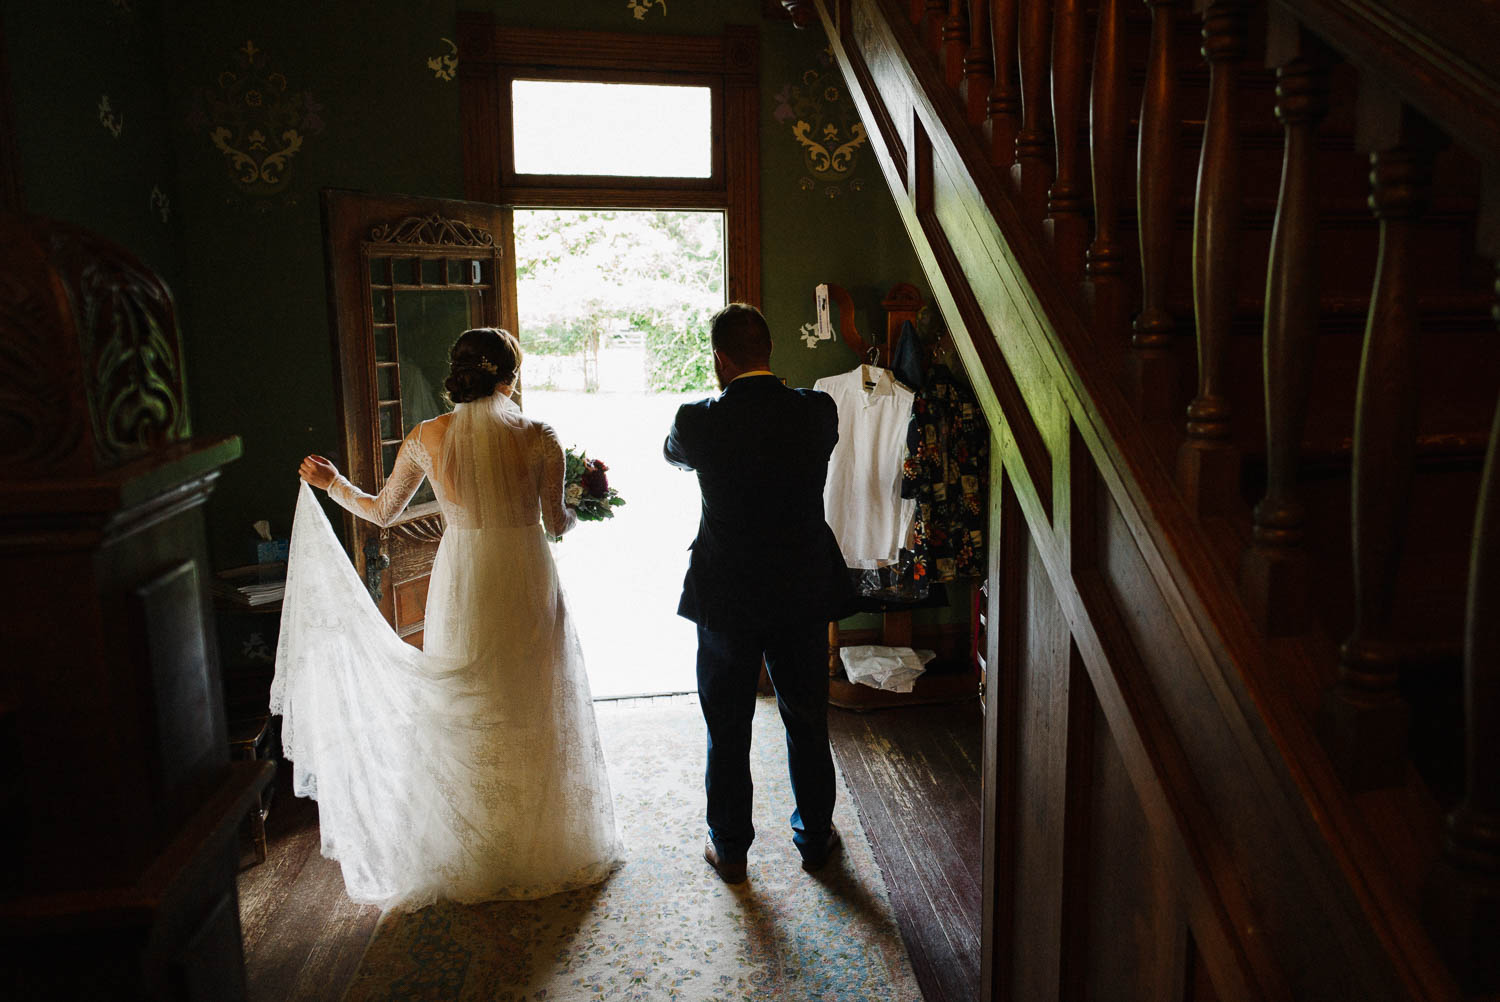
{"points": [[586, 487]]}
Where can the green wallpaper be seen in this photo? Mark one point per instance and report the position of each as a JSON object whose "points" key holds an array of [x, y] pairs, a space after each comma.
{"points": [[373, 105], [354, 82], [92, 122]]}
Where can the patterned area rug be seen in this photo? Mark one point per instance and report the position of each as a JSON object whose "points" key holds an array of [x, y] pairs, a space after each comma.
{"points": [[664, 926]]}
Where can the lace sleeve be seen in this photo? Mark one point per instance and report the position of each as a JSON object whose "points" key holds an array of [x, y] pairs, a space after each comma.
{"points": [[551, 474], [387, 506]]}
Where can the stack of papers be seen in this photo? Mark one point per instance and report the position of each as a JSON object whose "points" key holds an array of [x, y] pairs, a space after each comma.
{"points": [[893, 669], [260, 594], [251, 587]]}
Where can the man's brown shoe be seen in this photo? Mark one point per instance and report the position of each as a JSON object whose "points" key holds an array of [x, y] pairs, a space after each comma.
{"points": [[730, 873], [830, 849]]}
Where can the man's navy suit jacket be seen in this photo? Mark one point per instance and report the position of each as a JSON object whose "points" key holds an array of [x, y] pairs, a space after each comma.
{"points": [[764, 556]]}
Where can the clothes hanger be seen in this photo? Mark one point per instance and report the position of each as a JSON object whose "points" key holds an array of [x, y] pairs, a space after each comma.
{"points": [[871, 379]]}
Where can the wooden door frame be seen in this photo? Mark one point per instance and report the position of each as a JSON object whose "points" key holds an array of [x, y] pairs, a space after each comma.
{"points": [[491, 56]]}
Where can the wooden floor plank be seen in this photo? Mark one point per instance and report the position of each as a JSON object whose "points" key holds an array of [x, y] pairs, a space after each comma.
{"points": [[935, 859], [316, 940], [913, 910], [303, 936], [914, 773], [291, 837]]}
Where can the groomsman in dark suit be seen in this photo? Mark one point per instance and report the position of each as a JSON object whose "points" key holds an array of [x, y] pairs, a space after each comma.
{"points": [[764, 579]]}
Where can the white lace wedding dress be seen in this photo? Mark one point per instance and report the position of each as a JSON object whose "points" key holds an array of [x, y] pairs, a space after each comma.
{"points": [[471, 770]]}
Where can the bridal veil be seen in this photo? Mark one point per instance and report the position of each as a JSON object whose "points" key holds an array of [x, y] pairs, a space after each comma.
{"points": [[472, 769]]}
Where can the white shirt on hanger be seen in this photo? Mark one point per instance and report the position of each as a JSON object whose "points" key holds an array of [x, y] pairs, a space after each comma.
{"points": [[862, 497]]}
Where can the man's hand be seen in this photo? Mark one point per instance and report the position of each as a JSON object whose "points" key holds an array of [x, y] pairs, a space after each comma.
{"points": [[317, 471]]}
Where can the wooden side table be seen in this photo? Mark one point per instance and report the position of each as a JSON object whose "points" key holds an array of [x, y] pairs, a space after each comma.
{"points": [[249, 740]]}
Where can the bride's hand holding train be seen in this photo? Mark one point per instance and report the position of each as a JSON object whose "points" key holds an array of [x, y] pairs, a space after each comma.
{"points": [[317, 471]]}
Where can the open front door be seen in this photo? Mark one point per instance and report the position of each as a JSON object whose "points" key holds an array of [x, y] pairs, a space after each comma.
{"points": [[406, 276]]}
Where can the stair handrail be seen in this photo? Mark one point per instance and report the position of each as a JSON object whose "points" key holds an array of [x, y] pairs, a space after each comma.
{"points": [[1431, 55]]}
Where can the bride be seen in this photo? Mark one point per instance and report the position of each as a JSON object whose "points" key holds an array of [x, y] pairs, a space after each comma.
{"points": [[471, 770]]}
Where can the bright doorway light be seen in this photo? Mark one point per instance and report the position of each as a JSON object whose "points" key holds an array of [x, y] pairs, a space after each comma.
{"points": [[614, 308]]}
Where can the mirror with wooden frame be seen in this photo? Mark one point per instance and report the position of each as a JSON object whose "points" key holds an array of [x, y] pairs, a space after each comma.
{"points": [[406, 277]]}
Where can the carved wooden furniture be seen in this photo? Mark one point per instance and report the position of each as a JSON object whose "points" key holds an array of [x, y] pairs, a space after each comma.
{"points": [[120, 808], [406, 276], [1242, 699]]}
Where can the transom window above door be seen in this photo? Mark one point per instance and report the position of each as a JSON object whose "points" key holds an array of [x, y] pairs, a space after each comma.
{"points": [[585, 127], [557, 119]]}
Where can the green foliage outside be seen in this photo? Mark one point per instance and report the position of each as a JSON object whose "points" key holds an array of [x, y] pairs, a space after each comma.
{"points": [[678, 358], [587, 275]]}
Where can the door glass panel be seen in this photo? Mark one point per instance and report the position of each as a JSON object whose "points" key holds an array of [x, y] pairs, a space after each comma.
{"points": [[458, 272], [382, 337], [428, 321], [380, 271], [380, 306], [388, 424], [406, 271], [385, 383], [614, 129], [427, 324], [388, 458], [432, 271]]}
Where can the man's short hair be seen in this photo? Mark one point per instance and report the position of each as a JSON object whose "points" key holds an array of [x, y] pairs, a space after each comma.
{"points": [[739, 332]]}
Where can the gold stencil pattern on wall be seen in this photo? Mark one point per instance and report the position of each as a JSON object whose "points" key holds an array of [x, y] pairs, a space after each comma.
{"points": [[257, 122], [161, 205], [640, 8], [111, 119], [445, 66], [824, 124]]}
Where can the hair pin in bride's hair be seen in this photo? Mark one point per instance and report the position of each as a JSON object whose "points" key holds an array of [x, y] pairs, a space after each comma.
{"points": [[489, 367]]}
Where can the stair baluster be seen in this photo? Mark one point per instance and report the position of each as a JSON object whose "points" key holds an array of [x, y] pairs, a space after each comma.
{"points": [[1363, 721], [1066, 226], [978, 69], [1461, 903], [1151, 365], [1208, 465], [1003, 110], [930, 24], [1107, 155], [955, 44], [1032, 171], [1275, 567]]}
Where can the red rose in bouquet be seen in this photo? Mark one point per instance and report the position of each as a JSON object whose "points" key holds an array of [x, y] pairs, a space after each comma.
{"points": [[587, 489], [593, 478]]}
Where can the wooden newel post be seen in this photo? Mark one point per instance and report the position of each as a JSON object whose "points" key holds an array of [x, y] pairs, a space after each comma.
{"points": [[1364, 720], [1461, 903], [1208, 465], [1275, 569]]}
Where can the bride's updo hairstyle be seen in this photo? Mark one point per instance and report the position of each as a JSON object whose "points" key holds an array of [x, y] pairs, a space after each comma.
{"points": [[482, 359]]}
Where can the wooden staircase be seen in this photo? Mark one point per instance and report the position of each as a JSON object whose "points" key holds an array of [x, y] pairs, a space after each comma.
{"points": [[1224, 278]]}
